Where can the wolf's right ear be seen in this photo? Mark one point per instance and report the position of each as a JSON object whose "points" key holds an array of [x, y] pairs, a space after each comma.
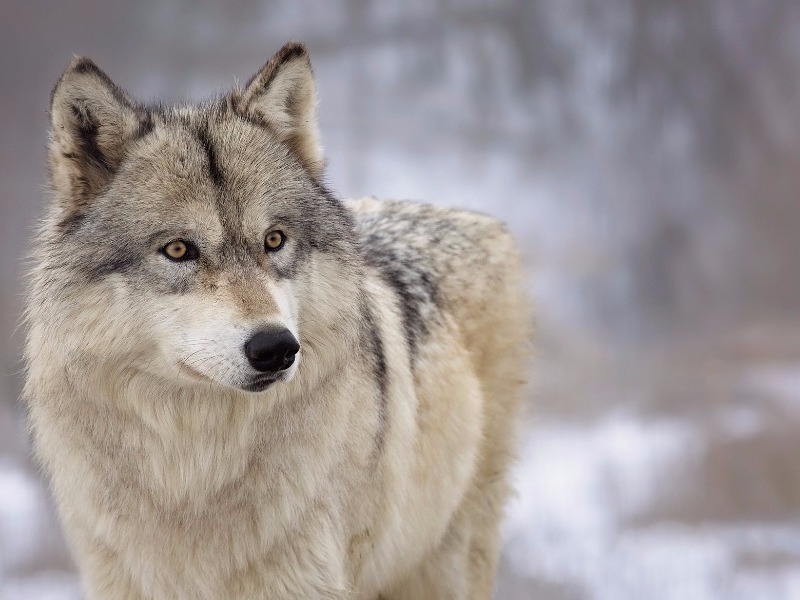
{"points": [[283, 97], [91, 122]]}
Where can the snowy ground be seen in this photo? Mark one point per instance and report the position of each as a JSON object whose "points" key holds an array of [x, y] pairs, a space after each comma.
{"points": [[578, 528], [679, 489]]}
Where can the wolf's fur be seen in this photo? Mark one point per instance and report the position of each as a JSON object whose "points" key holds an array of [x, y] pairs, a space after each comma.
{"points": [[376, 467]]}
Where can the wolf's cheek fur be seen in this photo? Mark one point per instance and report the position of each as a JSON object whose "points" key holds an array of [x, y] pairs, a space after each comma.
{"points": [[160, 318]]}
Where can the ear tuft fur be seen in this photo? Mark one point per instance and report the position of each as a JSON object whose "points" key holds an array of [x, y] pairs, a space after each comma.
{"points": [[91, 122], [283, 97]]}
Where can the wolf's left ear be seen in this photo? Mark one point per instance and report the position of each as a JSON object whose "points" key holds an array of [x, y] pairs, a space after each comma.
{"points": [[282, 96]]}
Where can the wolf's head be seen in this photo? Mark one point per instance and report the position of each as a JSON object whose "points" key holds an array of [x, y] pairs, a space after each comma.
{"points": [[194, 243]]}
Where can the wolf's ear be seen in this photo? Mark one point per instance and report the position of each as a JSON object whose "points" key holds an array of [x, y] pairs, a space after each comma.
{"points": [[282, 96], [91, 122]]}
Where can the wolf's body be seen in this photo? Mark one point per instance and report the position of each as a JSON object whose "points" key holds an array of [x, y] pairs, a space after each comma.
{"points": [[374, 466]]}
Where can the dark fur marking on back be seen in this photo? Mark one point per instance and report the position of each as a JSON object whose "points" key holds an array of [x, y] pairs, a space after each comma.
{"points": [[416, 290]]}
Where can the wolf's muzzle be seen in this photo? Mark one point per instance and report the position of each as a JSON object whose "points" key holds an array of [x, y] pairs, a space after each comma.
{"points": [[271, 350]]}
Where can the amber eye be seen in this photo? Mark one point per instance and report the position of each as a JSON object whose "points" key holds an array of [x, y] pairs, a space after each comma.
{"points": [[179, 250], [274, 240]]}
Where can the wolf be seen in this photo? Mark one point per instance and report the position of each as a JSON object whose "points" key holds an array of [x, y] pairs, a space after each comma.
{"points": [[243, 387]]}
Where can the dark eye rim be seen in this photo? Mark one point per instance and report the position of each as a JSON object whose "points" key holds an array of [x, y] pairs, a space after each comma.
{"points": [[192, 253], [279, 246]]}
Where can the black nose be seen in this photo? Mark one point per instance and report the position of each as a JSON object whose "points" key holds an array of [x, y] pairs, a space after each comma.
{"points": [[271, 350]]}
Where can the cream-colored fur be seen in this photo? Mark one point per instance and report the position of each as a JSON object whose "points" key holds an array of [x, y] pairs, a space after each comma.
{"points": [[176, 485]]}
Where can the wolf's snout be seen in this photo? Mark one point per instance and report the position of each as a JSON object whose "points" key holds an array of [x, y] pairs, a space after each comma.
{"points": [[271, 350]]}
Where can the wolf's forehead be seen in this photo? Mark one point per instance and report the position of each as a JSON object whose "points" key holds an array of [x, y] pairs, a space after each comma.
{"points": [[194, 147], [210, 173]]}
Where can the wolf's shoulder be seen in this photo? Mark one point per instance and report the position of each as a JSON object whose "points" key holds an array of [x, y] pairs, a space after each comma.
{"points": [[427, 230], [436, 259]]}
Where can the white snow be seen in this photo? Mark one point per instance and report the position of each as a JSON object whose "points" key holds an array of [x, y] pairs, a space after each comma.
{"points": [[581, 488], [21, 505]]}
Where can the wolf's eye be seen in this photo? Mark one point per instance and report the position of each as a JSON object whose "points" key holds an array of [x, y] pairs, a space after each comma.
{"points": [[180, 250], [274, 240]]}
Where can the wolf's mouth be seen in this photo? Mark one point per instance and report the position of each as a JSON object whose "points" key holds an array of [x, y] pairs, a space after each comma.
{"points": [[259, 384]]}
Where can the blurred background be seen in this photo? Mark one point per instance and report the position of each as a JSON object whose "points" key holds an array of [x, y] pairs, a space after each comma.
{"points": [[647, 155]]}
